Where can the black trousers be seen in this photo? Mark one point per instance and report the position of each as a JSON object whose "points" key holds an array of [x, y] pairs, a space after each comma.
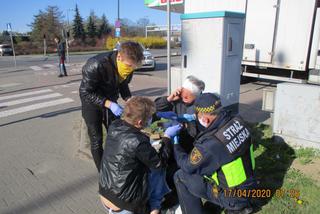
{"points": [[192, 187], [94, 118]]}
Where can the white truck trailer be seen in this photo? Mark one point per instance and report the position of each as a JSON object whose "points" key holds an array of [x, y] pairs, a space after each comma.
{"points": [[281, 39]]}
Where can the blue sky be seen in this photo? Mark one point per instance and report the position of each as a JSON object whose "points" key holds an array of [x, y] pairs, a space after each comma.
{"points": [[20, 12]]}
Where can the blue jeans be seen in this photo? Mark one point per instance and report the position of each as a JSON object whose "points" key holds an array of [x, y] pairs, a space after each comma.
{"points": [[110, 211], [157, 187], [192, 187]]}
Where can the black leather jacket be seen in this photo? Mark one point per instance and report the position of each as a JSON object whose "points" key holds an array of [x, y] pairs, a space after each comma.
{"points": [[126, 161], [100, 81], [61, 50]]}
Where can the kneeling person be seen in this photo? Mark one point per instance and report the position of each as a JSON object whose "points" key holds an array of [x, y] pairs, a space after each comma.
{"points": [[220, 163], [129, 157]]}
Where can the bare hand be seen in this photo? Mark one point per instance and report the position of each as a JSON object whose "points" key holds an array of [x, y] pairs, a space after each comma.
{"points": [[174, 95]]}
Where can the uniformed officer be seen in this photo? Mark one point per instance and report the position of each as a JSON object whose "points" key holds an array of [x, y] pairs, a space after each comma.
{"points": [[220, 166]]}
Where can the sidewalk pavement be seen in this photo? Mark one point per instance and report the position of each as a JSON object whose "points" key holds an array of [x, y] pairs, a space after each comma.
{"points": [[41, 171]]}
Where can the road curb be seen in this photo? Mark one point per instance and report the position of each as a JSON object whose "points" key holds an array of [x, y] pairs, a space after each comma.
{"points": [[163, 56], [84, 144]]}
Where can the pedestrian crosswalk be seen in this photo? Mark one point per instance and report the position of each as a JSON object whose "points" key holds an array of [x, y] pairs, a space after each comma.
{"points": [[30, 101], [53, 69]]}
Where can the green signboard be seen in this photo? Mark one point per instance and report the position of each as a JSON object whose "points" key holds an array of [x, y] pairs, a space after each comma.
{"points": [[157, 3], [177, 5]]}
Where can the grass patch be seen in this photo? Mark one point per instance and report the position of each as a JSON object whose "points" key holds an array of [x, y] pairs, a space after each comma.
{"points": [[293, 191], [306, 155]]}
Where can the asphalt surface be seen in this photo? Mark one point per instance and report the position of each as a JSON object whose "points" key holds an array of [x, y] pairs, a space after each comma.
{"points": [[40, 60]]}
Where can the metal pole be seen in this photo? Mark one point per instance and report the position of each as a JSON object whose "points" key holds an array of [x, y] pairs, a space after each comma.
{"points": [[67, 45], [146, 31], [118, 9], [168, 47], [119, 19], [44, 47], [14, 53], [68, 16]]}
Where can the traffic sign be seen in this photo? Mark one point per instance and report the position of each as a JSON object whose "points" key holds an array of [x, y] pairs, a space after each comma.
{"points": [[118, 24], [117, 32]]}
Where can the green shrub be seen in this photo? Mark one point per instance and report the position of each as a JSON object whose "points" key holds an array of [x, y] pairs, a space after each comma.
{"points": [[147, 42]]}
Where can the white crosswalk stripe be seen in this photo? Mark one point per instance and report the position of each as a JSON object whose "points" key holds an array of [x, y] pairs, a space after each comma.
{"points": [[48, 66], [26, 100], [34, 107], [36, 68], [25, 94], [30, 101], [8, 85]]}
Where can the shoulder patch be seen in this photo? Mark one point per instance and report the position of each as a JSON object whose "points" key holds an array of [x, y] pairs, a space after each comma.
{"points": [[195, 156]]}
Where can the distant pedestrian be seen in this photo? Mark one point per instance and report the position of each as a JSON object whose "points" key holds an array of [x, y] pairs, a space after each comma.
{"points": [[62, 56]]}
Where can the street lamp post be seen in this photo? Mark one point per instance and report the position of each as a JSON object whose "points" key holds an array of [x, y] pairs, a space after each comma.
{"points": [[118, 9], [67, 34], [169, 47]]}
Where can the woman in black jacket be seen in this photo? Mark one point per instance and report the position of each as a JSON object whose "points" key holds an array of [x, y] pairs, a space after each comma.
{"points": [[128, 158]]}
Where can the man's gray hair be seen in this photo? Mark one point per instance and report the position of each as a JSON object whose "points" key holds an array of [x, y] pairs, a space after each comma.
{"points": [[193, 84]]}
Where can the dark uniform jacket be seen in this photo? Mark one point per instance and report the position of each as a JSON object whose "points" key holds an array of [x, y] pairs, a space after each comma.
{"points": [[209, 154], [188, 134], [100, 81], [125, 166]]}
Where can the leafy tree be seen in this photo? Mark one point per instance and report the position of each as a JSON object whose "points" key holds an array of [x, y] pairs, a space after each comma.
{"points": [[54, 20], [91, 28], [143, 22], [78, 29], [48, 23], [38, 26], [104, 28], [5, 37], [141, 26], [128, 28]]}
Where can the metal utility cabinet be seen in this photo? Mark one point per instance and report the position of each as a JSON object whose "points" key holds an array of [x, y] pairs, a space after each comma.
{"points": [[212, 50]]}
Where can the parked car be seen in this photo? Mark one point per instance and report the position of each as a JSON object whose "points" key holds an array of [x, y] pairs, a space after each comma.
{"points": [[5, 50], [148, 63]]}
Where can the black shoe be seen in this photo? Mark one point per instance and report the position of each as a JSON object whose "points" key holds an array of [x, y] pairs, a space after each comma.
{"points": [[246, 210], [60, 75], [65, 74]]}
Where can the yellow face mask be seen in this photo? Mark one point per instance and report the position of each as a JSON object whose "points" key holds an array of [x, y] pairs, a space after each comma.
{"points": [[124, 70]]}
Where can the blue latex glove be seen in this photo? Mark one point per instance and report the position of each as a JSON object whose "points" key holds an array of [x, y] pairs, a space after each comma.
{"points": [[167, 115], [176, 140], [116, 109], [173, 131], [187, 118]]}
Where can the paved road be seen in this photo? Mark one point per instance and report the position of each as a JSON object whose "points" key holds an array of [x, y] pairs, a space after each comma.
{"points": [[40, 169], [36, 61]]}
